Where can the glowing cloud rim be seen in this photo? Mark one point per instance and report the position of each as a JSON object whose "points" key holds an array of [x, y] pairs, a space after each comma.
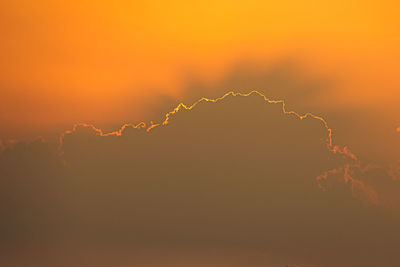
{"points": [[142, 125]]}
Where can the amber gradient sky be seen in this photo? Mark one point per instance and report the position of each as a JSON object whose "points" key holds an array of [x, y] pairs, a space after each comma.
{"points": [[236, 182], [107, 61]]}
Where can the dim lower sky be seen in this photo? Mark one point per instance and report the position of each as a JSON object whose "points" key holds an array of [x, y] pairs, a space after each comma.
{"points": [[110, 62]]}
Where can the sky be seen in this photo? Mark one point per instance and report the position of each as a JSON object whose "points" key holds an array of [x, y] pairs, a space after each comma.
{"points": [[105, 63], [98, 155]]}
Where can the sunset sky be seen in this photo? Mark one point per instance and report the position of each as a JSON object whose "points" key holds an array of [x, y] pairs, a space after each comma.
{"points": [[299, 164], [110, 62]]}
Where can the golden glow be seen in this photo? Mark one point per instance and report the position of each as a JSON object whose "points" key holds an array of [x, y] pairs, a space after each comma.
{"points": [[333, 148], [102, 61]]}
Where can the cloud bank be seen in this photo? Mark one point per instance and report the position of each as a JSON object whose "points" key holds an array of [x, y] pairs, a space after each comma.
{"points": [[227, 182]]}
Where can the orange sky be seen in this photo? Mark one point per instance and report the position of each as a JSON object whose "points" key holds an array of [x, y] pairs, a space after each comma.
{"points": [[103, 62]]}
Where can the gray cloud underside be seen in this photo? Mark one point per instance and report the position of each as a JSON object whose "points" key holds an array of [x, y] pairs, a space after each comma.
{"points": [[224, 180]]}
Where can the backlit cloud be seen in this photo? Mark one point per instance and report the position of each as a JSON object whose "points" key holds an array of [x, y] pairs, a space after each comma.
{"points": [[218, 180]]}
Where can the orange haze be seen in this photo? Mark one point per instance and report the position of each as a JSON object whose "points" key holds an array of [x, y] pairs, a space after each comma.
{"points": [[106, 61]]}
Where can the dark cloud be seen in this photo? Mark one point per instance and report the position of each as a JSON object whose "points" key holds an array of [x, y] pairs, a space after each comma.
{"points": [[231, 182], [282, 79], [369, 131]]}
